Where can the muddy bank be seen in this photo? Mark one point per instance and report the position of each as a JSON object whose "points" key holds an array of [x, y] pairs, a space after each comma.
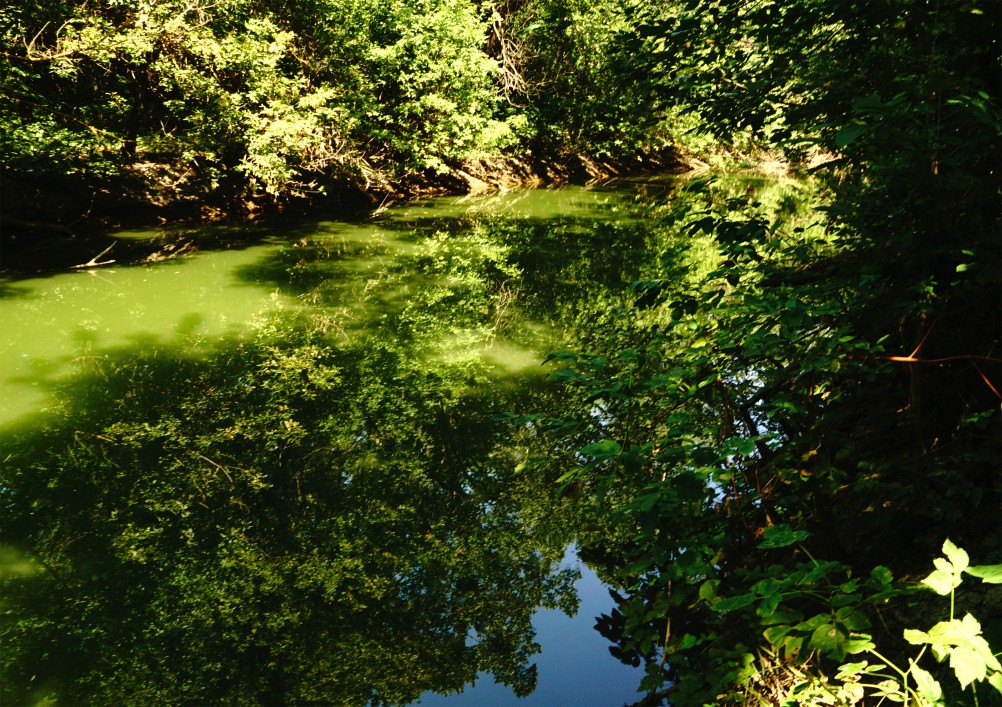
{"points": [[59, 223]]}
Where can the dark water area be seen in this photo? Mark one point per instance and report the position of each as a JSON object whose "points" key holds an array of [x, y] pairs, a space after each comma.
{"points": [[287, 472]]}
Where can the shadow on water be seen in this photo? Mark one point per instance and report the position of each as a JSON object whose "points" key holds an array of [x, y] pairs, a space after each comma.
{"points": [[42, 257], [7, 291]]}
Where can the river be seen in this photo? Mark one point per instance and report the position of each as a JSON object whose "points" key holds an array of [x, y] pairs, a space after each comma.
{"points": [[278, 471], [289, 470]]}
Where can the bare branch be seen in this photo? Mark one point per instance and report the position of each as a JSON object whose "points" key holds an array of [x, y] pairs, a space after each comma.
{"points": [[93, 262]]}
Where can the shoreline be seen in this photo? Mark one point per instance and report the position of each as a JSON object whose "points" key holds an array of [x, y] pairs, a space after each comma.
{"points": [[35, 240]]}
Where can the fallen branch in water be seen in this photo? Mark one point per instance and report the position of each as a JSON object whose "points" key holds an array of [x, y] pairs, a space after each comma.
{"points": [[171, 250], [93, 262]]}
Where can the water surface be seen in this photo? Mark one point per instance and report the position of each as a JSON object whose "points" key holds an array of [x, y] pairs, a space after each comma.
{"points": [[281, 472]]}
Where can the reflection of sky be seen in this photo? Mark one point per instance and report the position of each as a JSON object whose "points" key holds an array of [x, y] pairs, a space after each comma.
{"points": [[575, 667]]}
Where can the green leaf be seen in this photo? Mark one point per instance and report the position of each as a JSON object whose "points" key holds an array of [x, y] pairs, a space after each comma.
{"points": [[767, 587], [847, 134], [739, 446], [775, 634], [646, 502], [882, 575], [782, 615], [560, 356], [793, 645], [943, 565], [687, 642], [916, 637], [852, 619], [995, 680], [814, 622], [567, 477], [954, 632], [992, 574], [970, 625], [850, 669], [767, 607], [567, 375], [926, 685], [827, 638], [957, 557], [859, 644], [708, 590], [601, 450], [844, 600], [942, 582], [968, 665], [776, 536], [734, 603]]}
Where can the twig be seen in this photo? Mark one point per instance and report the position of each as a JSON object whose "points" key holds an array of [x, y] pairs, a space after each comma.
{"points": [[217, 465], [92, 262]]}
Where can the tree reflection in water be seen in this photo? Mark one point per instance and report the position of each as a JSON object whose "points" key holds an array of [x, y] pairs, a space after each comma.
{"points": [[330, 509], [275, 521]]}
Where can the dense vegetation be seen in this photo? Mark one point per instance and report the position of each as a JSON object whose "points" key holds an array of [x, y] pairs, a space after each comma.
{"points": [[768, 445], [215, 103], [797, 410]]}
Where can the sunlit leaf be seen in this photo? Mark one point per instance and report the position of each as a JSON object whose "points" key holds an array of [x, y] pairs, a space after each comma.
{"points": [[942, 582], [995, 680], [957, 557], [967, 665], [926, 684], [850, 669], [859, 643], [992, 574]]}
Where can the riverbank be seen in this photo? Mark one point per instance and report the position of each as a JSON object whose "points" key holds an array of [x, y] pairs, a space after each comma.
{"points": [[57, 224]]}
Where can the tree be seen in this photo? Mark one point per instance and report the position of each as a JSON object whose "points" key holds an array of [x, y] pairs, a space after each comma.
{"points": [[794, 412]]}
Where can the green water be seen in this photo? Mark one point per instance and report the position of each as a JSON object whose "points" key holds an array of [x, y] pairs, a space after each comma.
{"points": [[281, 472], [52, 325]]}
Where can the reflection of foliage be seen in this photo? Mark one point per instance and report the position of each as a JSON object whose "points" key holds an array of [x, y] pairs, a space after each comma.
{"points": [[766, 463], [279, 524], [323, 510]]}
